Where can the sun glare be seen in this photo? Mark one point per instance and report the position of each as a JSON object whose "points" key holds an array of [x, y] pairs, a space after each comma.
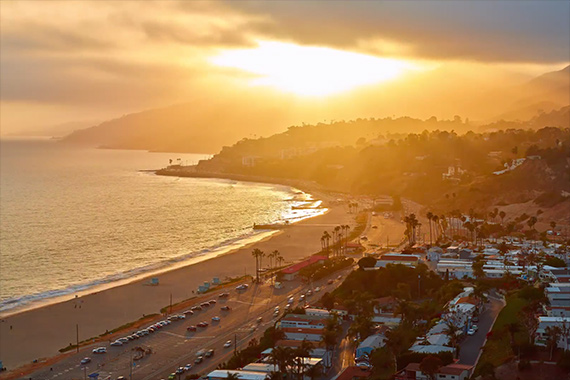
{"points": [[311, 71]]}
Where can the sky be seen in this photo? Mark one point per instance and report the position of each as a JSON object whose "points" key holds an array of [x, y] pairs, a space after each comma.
{"points": [[89, 61]]}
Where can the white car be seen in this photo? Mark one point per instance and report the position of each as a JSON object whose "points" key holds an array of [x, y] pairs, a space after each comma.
{"points": [[116, 343], [317, 289], [215, 319], [100, 350], [471, 332], [228, 344]]}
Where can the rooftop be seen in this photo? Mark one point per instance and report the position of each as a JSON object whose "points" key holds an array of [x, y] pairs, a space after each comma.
{"points": [[297, 267]]}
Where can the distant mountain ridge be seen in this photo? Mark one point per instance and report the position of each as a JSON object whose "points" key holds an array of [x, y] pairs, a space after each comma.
{"points": [[200, 127]]}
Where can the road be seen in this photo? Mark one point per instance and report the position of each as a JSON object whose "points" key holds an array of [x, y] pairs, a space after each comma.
{"points": [[173, 346], [471, 347]]}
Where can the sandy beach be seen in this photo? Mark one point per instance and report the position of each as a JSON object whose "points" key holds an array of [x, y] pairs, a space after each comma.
{"points": [[41, 332]]}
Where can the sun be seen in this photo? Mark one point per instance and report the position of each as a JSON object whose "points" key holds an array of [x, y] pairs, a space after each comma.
{"points": [[310, 71]]}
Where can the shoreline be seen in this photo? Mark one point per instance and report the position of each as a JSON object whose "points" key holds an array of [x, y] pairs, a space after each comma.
{"points": [[40, 332]]}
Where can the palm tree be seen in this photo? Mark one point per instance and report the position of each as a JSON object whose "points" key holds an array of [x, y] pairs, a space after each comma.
{"points": [[451, 329], [429, 215], [338, 235], [553, 334], [395, 343], [282, 357], [300, 353], [258, 254], [435, 219], [232, 376]]}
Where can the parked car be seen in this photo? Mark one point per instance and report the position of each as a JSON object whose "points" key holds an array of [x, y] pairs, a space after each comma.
{"points": [[224, 295], [225, 308], [100, 350], [212, 302], [205, 304], [116, 343], [85, 360], [196, 308], [191, 328], [228, 344], [259, 319], [215, 319], [318, 289], [203, 324], [188, 312], [471, 332]]}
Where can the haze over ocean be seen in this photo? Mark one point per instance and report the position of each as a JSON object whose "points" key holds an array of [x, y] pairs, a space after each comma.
{"points": [[72, 217]]}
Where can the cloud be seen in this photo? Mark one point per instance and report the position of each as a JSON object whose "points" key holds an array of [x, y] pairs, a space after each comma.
{"points": [[502, 31]]}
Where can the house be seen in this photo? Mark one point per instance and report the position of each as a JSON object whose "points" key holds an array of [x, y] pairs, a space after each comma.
{"points": [[291, 272], [370, 344], [448, 372], [396, 258], [545, 322], [316, 322], [431, 349], [311, 335], [353, 247], [434, 254], [385, 304]]}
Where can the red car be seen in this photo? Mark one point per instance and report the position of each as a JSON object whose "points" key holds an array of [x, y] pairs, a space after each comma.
{"points": [[191, 328], [202, 324]]}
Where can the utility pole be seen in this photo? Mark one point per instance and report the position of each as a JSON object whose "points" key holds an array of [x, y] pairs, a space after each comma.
{"points": [[419, 286], [235, 344], [77, 336], [84, 372]]}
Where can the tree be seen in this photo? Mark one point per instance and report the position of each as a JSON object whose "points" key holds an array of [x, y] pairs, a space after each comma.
{"points": [[232, 376], [395, 343], [553, 334], [314, 371], [531, 222], [451, 320], [429, 215], [367, 262], [282, 357], [502, 215], [328, 301], [258, 254], [487, 370], [430, 365]]}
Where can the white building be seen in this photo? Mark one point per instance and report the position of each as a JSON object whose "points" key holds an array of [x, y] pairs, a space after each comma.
{"points": [[544, 323]]}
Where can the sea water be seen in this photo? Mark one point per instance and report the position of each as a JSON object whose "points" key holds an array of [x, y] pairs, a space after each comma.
{"points": [[72, 218]]}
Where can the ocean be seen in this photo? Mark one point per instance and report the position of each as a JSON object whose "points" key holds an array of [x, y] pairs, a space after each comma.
{"points": [[73, 218]]}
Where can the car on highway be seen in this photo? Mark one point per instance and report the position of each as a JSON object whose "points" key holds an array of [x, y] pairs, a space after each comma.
{"points": [[225, 308], [172, 376], [209, 353], [215, 319], [309, 293], [191, 328], [318, 289], [199, 360], [188, 367], [116, 343], [179, 370], [330, 282], [228, 344], [259, 319], [85, 360]]}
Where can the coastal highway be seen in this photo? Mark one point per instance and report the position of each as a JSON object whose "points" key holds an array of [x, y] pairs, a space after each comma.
{"points": [[173, 346]]}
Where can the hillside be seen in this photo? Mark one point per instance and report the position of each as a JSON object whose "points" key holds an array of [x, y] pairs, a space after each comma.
{"points": [[440, 169]]}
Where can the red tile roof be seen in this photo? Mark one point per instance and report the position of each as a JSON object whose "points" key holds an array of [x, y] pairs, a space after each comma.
{"points": [[297, 267]]}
